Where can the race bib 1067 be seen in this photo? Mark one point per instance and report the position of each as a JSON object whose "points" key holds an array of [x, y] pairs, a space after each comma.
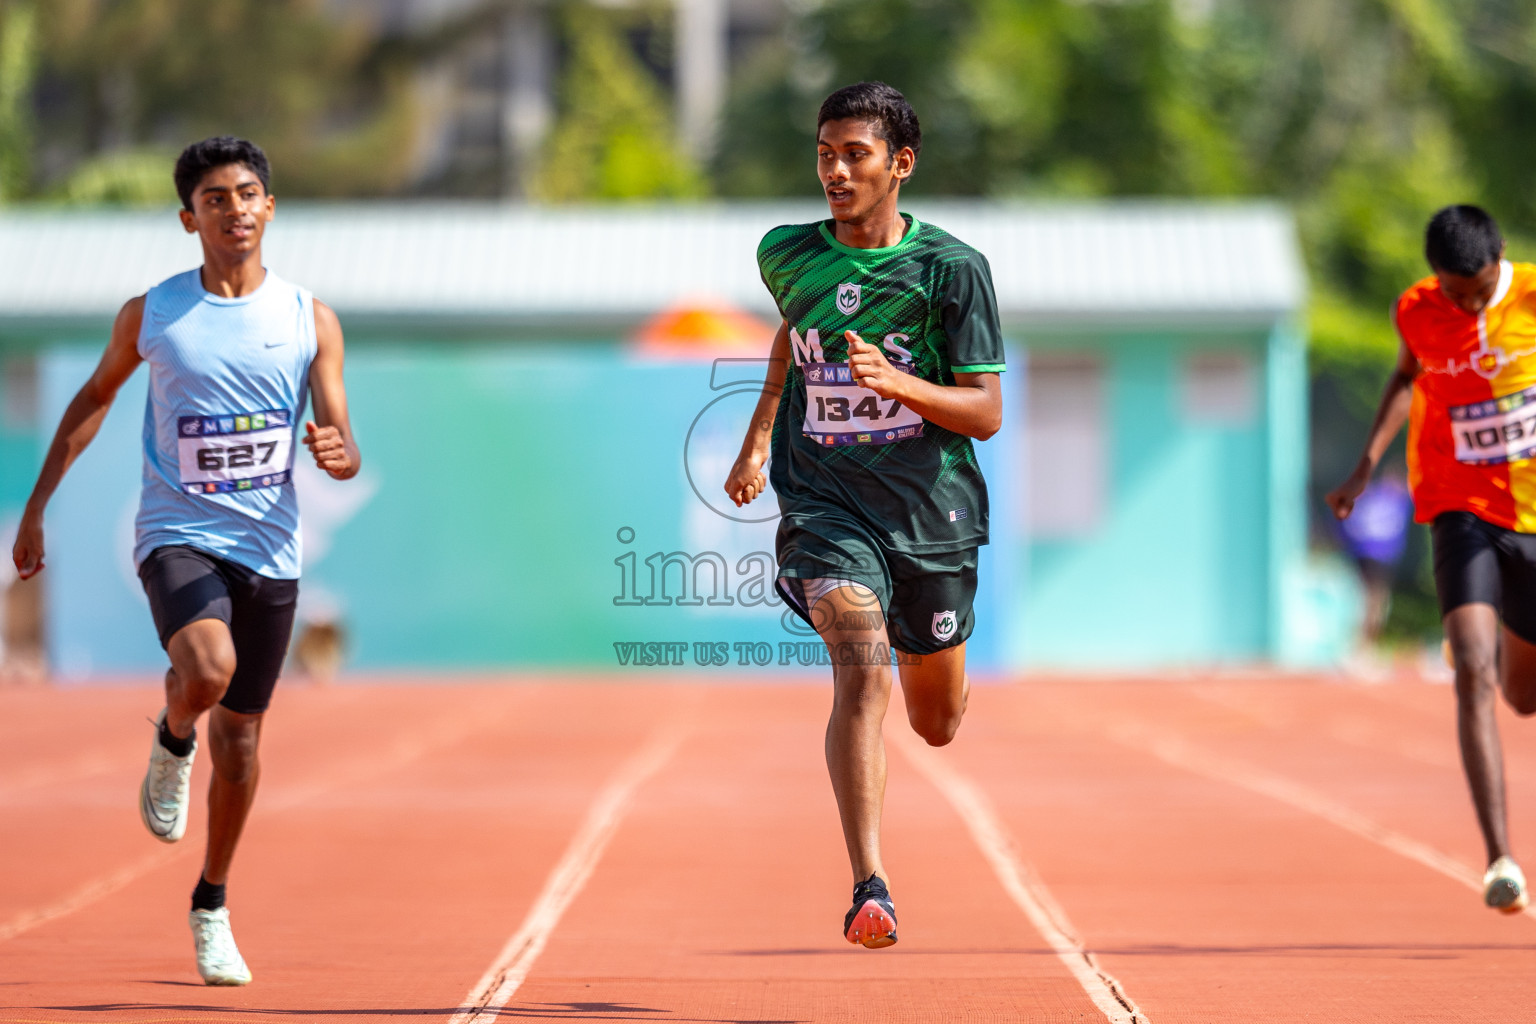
{"points": [[839, 412], [1496, 431], [238, 452]]}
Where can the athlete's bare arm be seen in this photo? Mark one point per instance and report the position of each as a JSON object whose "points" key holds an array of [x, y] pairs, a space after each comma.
{"points": [[973, 407], [329, 434], [1391, 414], [77, 428], [746, 480]]}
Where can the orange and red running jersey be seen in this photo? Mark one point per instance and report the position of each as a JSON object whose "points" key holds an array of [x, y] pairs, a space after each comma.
{"points": [[1472, 431]]}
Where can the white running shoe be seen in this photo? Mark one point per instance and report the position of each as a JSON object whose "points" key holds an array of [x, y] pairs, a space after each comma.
{"points": [[218, 959], [163, 797], [1504, 886]]}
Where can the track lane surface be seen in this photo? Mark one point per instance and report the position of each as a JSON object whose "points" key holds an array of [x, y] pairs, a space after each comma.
{"points": [[723, 897], [1212, 902], [396, 831], [403, 832]]}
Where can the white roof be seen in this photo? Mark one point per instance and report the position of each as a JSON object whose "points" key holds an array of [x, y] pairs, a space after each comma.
{"points": [[1092, 261]]}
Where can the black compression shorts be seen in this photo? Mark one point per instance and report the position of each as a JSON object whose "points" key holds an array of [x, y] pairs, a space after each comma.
{"points": [[186, 584], [926, 599], [1479, 563]]}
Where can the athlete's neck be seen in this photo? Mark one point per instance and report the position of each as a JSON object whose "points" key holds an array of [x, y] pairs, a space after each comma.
{"points": [[233, 279], [881, 228]]}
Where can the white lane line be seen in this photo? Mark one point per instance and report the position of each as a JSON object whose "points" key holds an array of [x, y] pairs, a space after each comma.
{"points": [[1176, 751], [89, 893], [85, 767], [402, 752], [1020, 881], [570, 875]]}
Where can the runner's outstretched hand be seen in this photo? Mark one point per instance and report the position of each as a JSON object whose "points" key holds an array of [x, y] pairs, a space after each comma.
{"points": [[746, 480], [326, 445], [27, 553], [871, 369], [1342, 498]]}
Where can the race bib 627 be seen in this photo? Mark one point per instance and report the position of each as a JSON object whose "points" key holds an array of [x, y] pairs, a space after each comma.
{"points": [[238, 452], [838, 411]]}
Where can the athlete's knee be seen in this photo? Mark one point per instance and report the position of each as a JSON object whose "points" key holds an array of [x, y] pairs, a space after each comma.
{"points": [[1517, 673], [1477, 672], [860, 688], [205, 678], [235, 747], [1521, 696], [203, 663], [237, 764], [936, 729], [1523, 704]]}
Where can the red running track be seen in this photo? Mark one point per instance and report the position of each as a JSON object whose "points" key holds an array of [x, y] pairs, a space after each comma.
{"points": [[1257, 849]]}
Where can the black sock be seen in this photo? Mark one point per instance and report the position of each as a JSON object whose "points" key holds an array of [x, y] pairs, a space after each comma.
{"points": [[207, 896], [175, 744]]}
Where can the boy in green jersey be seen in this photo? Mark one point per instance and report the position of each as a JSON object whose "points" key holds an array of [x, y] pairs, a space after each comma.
{"points": [[887, 363]]}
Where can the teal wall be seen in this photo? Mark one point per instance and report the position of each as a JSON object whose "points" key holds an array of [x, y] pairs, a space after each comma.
{"points": [[18, 438], [1199, 523], [18, 467], [505, 493], [508, 488], [1292, 623]]}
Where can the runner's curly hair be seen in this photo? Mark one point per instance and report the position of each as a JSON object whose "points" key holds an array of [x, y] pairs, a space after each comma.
{"points": [[1462, 240], [201, 157], [883, 106]]}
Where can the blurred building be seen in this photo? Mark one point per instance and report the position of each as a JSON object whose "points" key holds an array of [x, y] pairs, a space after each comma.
{"points": [[538, 492]]}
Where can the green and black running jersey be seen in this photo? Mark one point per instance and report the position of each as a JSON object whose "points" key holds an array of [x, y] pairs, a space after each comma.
{"points": [[928, 302]]}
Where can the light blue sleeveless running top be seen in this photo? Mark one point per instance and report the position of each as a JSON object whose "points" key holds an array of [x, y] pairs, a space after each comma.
{"points": [[228, 383]]}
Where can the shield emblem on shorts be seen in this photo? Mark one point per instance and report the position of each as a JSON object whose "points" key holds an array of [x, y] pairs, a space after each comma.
{"points": [[944, 624], [847, 299]]}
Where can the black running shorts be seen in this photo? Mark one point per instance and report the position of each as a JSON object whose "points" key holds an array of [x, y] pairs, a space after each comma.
{"points": [[185, 584], [1479, 563], [926, 599]]}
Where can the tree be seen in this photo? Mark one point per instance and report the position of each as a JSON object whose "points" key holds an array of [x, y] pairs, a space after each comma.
{"points": [[1364, 115], [18, 59], [613, 138], [1017, 97], [123, 84]]}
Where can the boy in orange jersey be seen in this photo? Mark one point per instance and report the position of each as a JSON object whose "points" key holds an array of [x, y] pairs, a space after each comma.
{"points": [[1466, 383]]}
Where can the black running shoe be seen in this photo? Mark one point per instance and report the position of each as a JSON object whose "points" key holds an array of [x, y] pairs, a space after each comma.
{"points": [[871, 921]]}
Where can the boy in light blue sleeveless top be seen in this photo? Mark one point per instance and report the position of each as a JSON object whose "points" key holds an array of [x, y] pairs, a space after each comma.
{"points": [[235, 353]]}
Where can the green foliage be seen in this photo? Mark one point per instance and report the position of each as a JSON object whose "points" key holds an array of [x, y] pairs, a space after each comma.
{"points": [[120, 83], [18, 58], [132, 78], [614, 138], [1365, 116], [1017, 97], [123, 177]]}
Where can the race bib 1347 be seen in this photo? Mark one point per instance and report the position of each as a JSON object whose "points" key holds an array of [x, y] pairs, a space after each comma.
{"points": [[839, 412], [236, 452]]}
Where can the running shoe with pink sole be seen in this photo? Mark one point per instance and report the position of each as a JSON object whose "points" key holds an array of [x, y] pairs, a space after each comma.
{"points": [[1504, 886], [871, 921]]}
